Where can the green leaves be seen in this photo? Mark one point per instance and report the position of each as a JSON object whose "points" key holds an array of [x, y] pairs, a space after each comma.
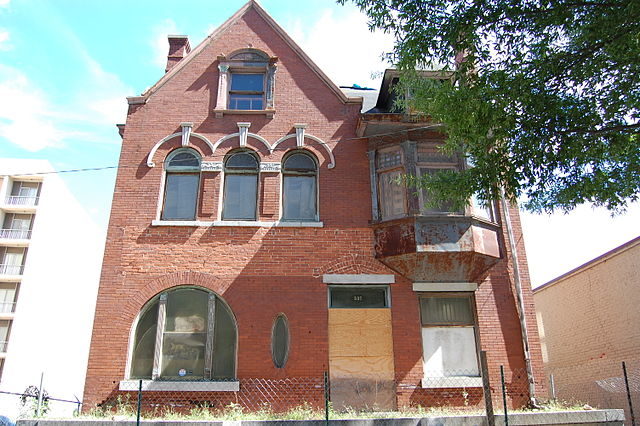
{"points": [[545, 104]]}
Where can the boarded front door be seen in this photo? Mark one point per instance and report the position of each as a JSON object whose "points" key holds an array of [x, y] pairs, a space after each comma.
{"points": [[361, 368]]}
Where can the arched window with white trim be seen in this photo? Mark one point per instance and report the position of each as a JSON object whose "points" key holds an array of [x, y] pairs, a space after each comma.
{"points": [[187, 333], [240, 186], [299, 189], [182, 181]]}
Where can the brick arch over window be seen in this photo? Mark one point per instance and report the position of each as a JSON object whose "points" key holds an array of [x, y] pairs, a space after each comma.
{"points": [[355, 263], [164, 282]]}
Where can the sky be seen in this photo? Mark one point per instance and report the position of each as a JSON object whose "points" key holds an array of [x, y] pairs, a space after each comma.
{"points": [[66, 67]]}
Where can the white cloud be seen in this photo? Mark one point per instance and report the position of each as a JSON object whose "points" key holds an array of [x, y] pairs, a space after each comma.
{"points": [[105, 99], [34, 121], [159, 44], [4, 3], [359, 53], [4, 39], [26, 117]]}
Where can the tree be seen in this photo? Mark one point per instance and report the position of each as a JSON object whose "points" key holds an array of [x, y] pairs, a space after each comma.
{"points": [[543, 98]]}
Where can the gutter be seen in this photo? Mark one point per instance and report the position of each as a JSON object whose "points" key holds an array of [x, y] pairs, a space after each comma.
{"points": [[520, 301]]}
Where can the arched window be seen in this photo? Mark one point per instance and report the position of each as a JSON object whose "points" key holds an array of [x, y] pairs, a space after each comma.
{"points": [[280, 341], [240, 186], [184, 334], [182, 169], [299, 187]]}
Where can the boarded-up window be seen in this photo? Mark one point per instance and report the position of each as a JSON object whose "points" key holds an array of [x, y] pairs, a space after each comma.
{"points": [[448, 336]]}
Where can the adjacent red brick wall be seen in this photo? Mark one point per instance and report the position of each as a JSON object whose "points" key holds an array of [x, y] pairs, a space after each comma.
{"points": [[263, 271]]}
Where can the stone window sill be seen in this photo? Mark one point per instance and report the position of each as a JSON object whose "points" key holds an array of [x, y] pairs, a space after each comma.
{"points": [[451, 382], [190, 386], [269, 113], [238, 223]]}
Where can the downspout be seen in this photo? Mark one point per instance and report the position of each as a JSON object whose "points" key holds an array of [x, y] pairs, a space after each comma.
{"points": [[520, 300]]}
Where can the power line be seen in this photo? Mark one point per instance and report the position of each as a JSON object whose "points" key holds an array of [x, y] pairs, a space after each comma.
{"points": [[91, 169]]}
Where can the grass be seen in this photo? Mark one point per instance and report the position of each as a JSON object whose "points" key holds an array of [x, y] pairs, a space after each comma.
{"points": [[126, 410]]}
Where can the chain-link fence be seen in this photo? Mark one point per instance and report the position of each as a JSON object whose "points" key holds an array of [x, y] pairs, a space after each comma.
{"points": [[440, 393], [603, 384]]}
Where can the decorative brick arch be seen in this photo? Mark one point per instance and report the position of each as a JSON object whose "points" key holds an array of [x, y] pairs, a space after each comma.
{"points": [[164, 282], [354, 263]]}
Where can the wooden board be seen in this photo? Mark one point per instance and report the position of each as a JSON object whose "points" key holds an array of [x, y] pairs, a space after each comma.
{"points": [[361, 365]]}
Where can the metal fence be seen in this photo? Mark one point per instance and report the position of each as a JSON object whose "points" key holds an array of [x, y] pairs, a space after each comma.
{"points": [[604, 384], [321, 398]]}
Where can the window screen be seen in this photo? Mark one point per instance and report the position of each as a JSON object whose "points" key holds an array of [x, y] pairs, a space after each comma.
{"points": [[365, 297]]}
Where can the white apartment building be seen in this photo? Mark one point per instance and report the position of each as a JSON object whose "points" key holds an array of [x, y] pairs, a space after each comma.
{"points": [[50, 257]]}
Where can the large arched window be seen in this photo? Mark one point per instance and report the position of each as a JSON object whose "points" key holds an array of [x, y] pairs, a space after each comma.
{"points": [[182, 168], [299, 187], [184, 334], [240, 186]]}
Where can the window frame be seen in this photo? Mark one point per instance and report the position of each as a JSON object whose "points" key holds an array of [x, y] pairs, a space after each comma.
{"points": [[454, 164], [243, 172], [186, 171], [246, 61], [262, 93], [292, 173], [273, 342], [156, 374], [385, 287], [452, 380], [382, 171]]}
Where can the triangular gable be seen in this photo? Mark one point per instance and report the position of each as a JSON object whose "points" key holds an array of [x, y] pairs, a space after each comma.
{"points": [[221, 30]]}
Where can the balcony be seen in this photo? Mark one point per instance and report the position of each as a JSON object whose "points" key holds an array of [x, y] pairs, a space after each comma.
{"points": [[9, 269], [442, 248], [7, 307], [21, 200], [15, 234]]}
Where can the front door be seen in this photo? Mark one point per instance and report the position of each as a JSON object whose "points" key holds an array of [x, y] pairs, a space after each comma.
{"points": [[361, 367]]}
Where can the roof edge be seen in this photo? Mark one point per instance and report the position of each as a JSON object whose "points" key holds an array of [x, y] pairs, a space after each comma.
{"points": [[605, 256], [196, 51], [222, 28], [297, 49]]}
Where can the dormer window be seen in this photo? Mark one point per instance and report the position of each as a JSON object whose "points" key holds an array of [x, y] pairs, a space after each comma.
{"points": [[246, 83]]}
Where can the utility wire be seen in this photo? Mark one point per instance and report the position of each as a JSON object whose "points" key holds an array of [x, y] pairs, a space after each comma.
{"points": [[91, 169]]}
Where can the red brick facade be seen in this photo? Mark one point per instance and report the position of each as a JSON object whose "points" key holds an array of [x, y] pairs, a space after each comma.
{"points": [[261, 271]]}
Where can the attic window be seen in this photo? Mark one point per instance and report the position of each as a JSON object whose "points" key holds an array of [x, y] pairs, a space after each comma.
{"points": [[246, 83]]}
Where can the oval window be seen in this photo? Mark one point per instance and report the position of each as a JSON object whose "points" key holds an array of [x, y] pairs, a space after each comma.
{"points": [[280, 341]]}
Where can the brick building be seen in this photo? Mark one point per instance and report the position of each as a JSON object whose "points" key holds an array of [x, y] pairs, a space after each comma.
{"points": [[258, 233], [602, 321]]}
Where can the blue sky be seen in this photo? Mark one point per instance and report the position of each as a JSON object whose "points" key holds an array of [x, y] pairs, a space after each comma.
{"points": [[66, 67]]}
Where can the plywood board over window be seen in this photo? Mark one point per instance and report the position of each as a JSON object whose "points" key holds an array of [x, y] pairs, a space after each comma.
{"points": [[361, 361]]}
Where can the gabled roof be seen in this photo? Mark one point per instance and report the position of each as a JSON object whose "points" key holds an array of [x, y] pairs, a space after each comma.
{"points": [[251, 4]]}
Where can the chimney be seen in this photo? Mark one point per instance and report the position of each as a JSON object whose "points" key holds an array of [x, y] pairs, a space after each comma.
{"points": [[178, 48]]}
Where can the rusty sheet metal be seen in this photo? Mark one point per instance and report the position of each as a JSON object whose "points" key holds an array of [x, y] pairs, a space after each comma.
{"points": [[438, 249], [397, 238]]}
